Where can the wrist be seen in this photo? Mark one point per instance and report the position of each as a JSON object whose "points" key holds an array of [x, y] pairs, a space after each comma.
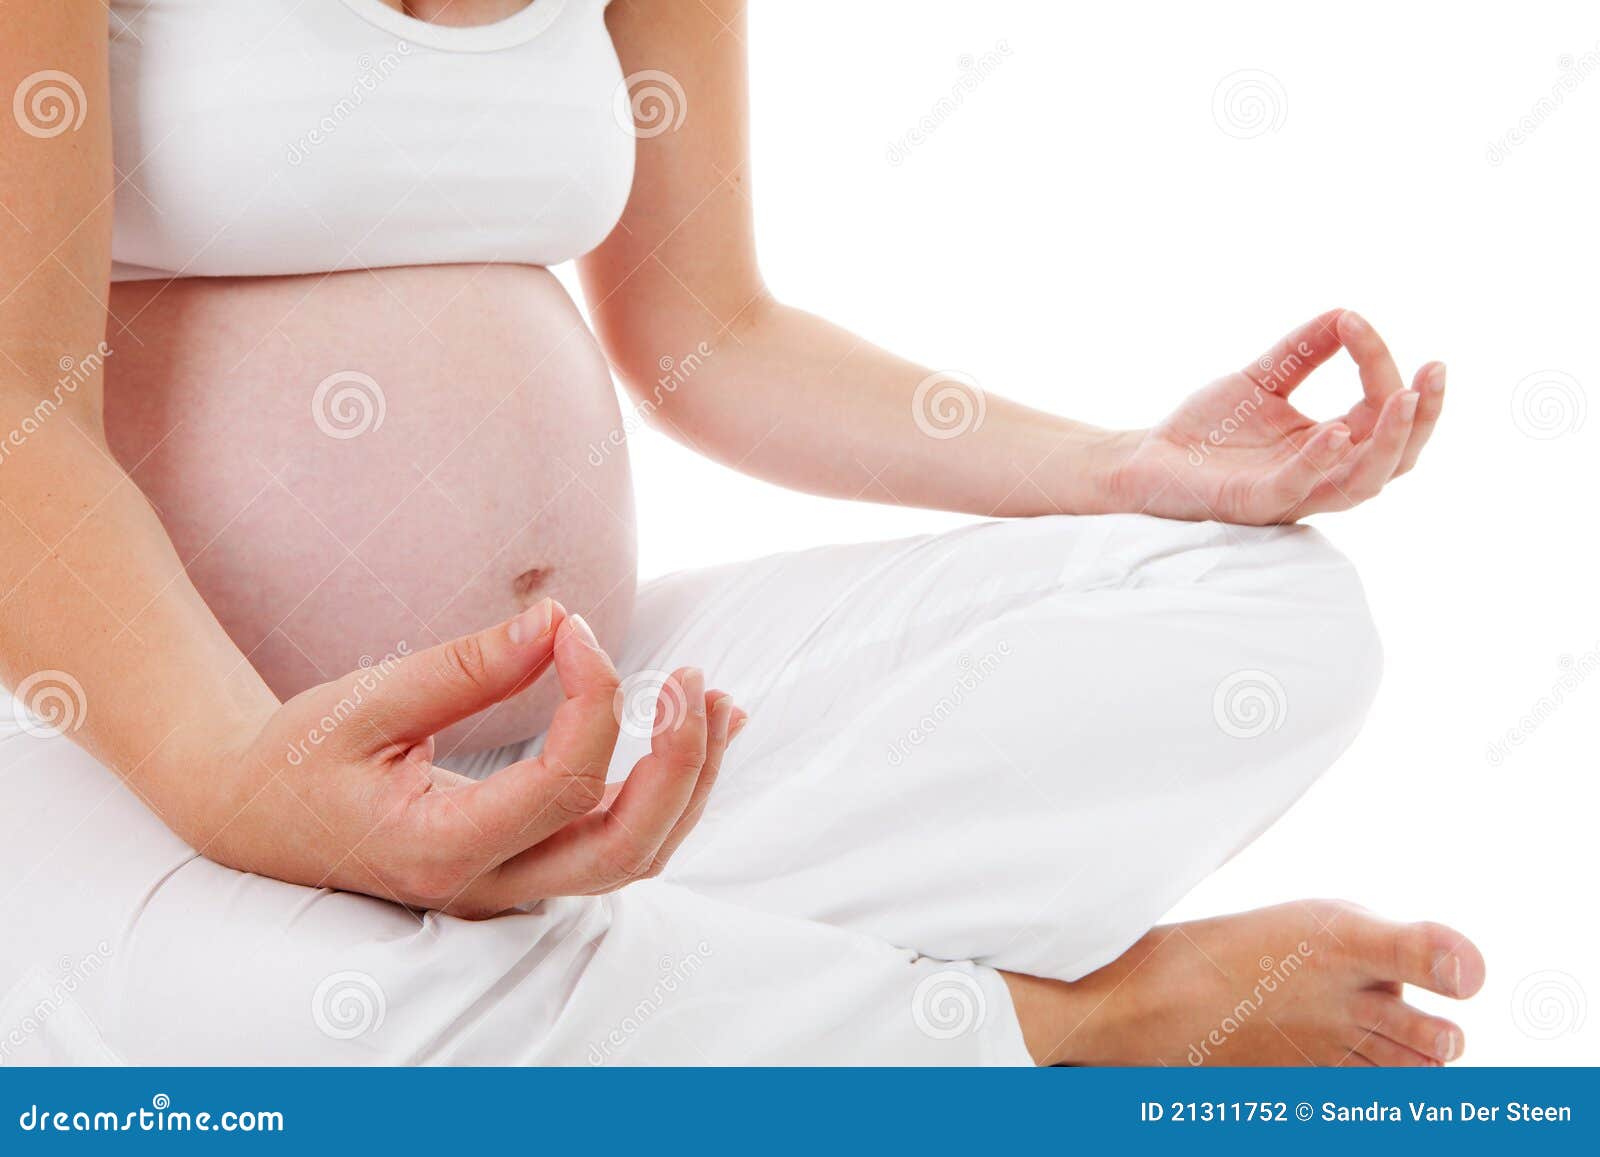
{"points": [[204, 774], [1093, 477]]}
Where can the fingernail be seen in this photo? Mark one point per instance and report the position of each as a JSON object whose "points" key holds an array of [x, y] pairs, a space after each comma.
{"points": [[1339, 439], [1436, 380], [1408, 404], [739, 720], [692, 685], [1354, 322], [1447, 971], [580, 627], [728, 715], [532, 623], [1448, 1045]]}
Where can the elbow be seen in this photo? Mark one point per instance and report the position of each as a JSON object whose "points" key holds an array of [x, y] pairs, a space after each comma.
{"points": [[67, 407], [657, 332], [675, 368], [664, 389]]}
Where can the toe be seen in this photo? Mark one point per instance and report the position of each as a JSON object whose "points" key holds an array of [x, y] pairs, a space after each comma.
{"points": [[1431, 956], [1354, 1060], [1471, 970], [1433, 1038], [1379, 1050], [1440, 959]]}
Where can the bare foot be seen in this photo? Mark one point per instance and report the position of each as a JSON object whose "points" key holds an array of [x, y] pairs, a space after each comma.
{"points": [[1317, 982]]}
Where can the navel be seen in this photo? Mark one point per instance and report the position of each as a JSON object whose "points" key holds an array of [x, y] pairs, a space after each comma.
{"points": [[530, 584]]}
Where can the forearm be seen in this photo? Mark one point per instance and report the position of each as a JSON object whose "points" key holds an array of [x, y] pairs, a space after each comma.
{"points": [[101, 633], [792, 399], [95, 597], [783, 395]]}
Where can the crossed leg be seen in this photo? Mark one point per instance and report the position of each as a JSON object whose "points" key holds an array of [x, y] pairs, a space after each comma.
{"points": [[1021, 743], [979, 768]]}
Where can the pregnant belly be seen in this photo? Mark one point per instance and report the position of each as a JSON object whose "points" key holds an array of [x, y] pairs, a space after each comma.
{"points": [[363, 464]]}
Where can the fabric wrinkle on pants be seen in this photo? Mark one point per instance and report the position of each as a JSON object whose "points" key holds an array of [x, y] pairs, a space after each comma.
{"points": [[1012, 746]]}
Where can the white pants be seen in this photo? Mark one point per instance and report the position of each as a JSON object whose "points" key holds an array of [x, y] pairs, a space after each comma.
{"points": [[1013, 746]]}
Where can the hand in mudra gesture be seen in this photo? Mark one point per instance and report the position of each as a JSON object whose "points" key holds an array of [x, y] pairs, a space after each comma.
{"points": [[1239, 451], [362, 807]]}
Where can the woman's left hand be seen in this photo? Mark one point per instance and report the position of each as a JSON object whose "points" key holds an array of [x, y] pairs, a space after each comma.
{"points": [[1237, 451]]}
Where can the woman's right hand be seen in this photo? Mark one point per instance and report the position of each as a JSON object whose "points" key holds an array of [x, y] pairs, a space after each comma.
{"points": [[95, 591], [340, 791]]}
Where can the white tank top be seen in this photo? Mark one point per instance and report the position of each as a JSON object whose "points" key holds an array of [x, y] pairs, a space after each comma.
{"points": [[258, 137]]}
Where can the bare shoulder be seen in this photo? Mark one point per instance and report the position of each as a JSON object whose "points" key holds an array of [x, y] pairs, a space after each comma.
{"points": [[55, 181], [666, 24]]}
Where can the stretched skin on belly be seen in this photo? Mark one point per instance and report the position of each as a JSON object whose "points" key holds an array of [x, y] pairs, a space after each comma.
{"points": [[353, 464]]}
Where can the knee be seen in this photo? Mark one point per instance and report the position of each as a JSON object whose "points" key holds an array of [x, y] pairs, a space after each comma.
{"points": [[1337, 652], [1303, 658]]}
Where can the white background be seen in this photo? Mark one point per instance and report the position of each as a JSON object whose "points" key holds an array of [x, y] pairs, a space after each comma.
{"points": [[1089, 234]]}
